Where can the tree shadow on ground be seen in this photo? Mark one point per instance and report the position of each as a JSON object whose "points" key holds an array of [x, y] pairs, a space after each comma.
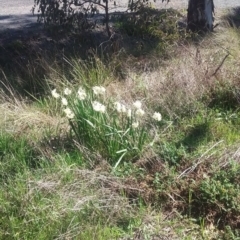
{"points": [[28, 50], [195, 137], [233, 17]]}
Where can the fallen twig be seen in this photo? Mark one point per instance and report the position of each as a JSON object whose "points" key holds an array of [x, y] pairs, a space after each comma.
{"points": [[192, 168], [220, 65]]}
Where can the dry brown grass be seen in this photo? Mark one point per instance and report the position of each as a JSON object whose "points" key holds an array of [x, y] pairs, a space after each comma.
{"points": [[20, 118], [178, 83]]}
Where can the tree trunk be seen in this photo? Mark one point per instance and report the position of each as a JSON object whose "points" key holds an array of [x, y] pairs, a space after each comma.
{"points": [[200, 15]]}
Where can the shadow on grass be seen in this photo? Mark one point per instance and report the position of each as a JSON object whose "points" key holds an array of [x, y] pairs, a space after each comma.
{"points": [[233, 17], [16, 156], [29, 52], [195, 137], [225, 97], [151, 30]]}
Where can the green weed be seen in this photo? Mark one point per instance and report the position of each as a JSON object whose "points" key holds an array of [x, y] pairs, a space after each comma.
{"points": [[218, 193], [224, 96]]}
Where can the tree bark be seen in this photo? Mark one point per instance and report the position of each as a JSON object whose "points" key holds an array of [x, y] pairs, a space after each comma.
{"points": [[200, 15]]}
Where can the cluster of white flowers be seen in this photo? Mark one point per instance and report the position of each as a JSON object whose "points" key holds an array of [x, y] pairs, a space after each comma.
{"points": [[99, 107], [66, 92], [121, 108], [137, 111], [81, 95], [138, 105]]}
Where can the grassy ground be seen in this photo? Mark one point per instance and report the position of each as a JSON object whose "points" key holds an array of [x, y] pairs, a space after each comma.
{"points": [[94, 173]]}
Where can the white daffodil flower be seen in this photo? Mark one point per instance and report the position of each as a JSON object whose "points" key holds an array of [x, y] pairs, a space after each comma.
{"points": [[129, 113], [55, 94], [137, 104], [157, 116], [64, 101], [120, 107], [81, 94], [140, 112], [99, 90], [67, 91], [98, 107], [135, 124], [69, 113]]}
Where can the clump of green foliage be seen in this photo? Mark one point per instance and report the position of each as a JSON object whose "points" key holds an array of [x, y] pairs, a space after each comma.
{"points": [[150, 23], [152, 27], [217, 196], [117, 131]]}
